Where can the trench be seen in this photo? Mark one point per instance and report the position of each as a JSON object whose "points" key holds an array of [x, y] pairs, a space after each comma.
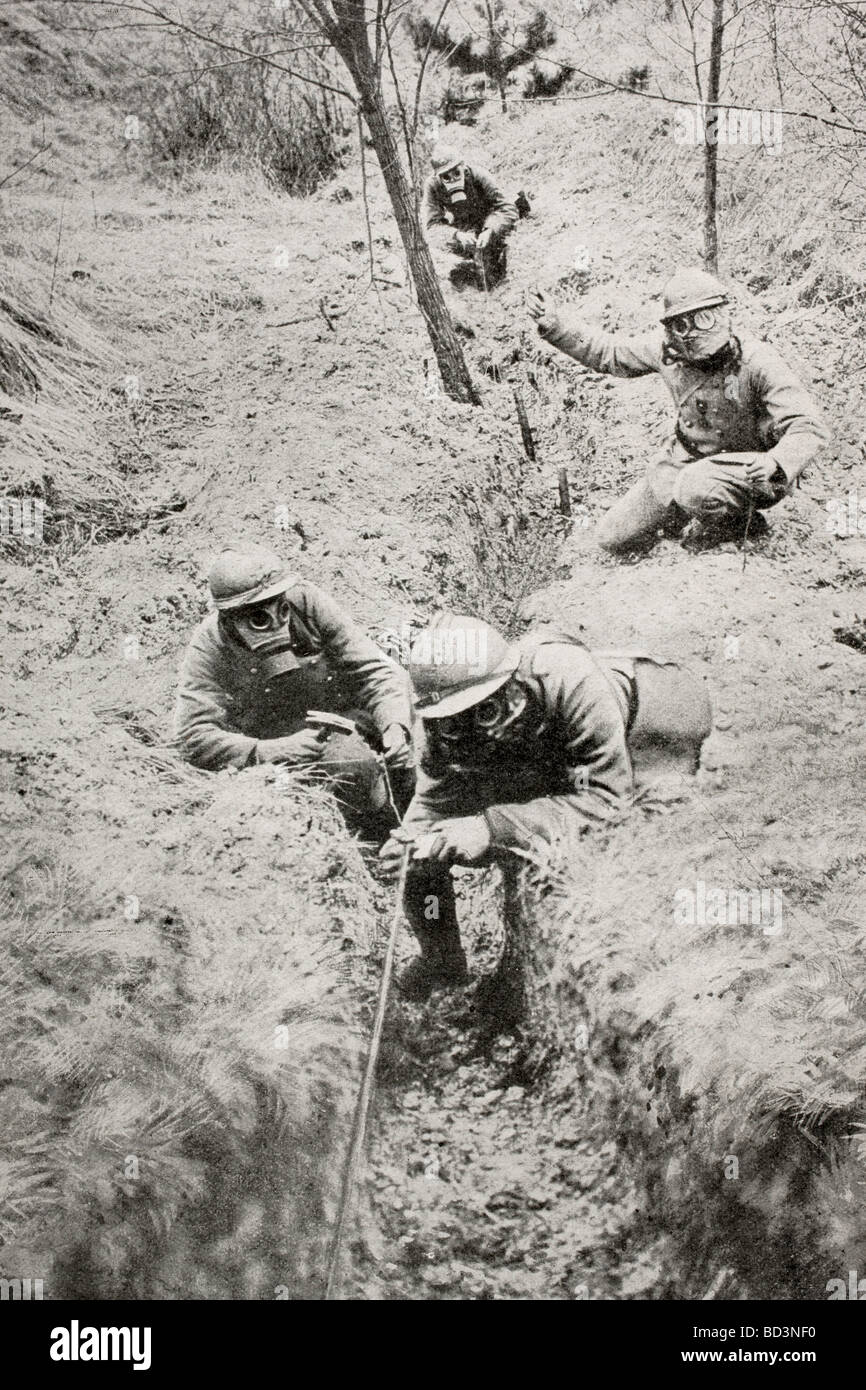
{"points": [[487, 1179]]}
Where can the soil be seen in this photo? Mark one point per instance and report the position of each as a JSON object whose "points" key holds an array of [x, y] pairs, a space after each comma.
{"points": [[289, 401]]}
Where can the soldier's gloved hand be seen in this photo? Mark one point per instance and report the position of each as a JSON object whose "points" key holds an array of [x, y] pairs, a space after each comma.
{"points": [[295, 750], [391, 853], [765, 476], [543, 309], [396, 746], [485, 236], [465, 242], [459, 840]]}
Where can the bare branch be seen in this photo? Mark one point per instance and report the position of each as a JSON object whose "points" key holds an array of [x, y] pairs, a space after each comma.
{"points": [[179, 27], [423, 68], [19, 167]]}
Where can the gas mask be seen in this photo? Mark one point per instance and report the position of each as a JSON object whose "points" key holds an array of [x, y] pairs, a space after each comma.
{"points": [[453, 180], [700, 334], [480, 734], [264, 630]]}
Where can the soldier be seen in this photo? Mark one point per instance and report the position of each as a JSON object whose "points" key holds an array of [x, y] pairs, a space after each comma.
{"points": [[275, 648], [467, 220], [745, 429], [525, 743]]}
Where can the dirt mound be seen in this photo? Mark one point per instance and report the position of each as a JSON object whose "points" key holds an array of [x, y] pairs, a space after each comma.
{"points": [[180, 1035]]}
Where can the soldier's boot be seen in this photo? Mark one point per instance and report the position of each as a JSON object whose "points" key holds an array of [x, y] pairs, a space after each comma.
{"points": [[441, 964], [432, 914]]}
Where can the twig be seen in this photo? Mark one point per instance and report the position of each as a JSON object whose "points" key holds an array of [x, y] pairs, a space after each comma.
{"points": [[18, 169], [56, 251], [749, 514], [423, 67], [323, 311], [402, 109], [366, 203], [365, 1096]]}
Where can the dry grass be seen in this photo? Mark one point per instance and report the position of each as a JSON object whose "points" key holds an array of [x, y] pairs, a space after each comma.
{"points": [[177, 1084], [705, 1044]]}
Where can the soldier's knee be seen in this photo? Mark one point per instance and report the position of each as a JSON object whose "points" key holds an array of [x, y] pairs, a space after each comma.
{"points": [[607, 538], [700, 494]]}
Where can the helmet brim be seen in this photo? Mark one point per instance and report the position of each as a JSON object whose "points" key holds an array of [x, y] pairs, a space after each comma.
{"points": [[692, 306], [279, 586], [460, 700]]}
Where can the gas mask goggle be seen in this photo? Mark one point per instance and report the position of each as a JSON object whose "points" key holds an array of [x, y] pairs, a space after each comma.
{"points": [[480, 733], [701, 333], [453, 180], [264, 629]]}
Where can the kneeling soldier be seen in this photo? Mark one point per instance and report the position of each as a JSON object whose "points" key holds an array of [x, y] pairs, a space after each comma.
{"points": [[536, 741], [467, 220], [745, 429], [275, 649]]}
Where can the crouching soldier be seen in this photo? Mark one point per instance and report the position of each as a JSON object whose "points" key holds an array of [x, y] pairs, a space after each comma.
{"points": [[533, 742], [467, 220], [264, 671], [745, 428]]}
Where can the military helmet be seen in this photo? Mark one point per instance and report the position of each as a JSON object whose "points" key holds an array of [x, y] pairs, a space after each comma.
{"points": [[456, 662], [691, 288], [445, 157], [246, 575]]}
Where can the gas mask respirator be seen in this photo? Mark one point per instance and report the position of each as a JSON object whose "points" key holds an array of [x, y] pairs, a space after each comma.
{"points": [[480, 734], [700, 334], [265, 631], [453, 180]]}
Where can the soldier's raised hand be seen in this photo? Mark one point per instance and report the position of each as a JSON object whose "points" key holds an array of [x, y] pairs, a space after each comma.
{"points": [[542, 308]]}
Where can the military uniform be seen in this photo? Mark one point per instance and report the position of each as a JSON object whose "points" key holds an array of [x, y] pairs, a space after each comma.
{"points": [[226, 705], [595, 720], [745, 400], [483, 208]]}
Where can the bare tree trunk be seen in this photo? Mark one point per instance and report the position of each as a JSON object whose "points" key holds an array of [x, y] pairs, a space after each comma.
{"points": [[449, 354], [711, 141], [352, 44]]}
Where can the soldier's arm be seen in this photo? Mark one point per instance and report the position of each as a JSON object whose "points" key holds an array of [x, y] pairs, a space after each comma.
{"points": [[203, 732], [598, 765], [602, 352], [432, 207], [795, 422], [382, 687], [501, 214]]}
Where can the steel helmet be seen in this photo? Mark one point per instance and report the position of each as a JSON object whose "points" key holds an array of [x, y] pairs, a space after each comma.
{"points": [[691, 288], [249, 574], [456, 662], [444, 157]]}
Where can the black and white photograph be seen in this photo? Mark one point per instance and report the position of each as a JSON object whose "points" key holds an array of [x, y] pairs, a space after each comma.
{"points": [[432, 559]]}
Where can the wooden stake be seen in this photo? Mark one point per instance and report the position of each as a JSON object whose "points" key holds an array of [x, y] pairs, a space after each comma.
{"points": [[564, 493]]}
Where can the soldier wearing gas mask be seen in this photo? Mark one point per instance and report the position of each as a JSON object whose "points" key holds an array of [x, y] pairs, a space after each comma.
{"points": [[275, 649], [529, 743], [467, 220], [745, 430]]}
